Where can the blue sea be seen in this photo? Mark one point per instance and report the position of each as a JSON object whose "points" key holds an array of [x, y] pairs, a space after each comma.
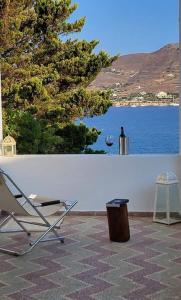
{"points": [[151, 129]]}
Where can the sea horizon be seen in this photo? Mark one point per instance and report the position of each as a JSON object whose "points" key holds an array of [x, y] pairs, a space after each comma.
{"points": [[151, 129]]}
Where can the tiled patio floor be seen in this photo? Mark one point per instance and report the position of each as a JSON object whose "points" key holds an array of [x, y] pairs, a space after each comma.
{"points": [[89, 266]]}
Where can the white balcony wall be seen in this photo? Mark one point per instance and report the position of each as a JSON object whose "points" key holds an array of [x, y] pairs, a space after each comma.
{"points": [[93, 180]]}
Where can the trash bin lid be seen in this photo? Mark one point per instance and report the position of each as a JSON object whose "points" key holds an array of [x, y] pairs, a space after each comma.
{"points": [[116, 202]]}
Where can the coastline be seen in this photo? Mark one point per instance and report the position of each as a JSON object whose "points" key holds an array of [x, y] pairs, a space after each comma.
{"points": [[141, 103]]}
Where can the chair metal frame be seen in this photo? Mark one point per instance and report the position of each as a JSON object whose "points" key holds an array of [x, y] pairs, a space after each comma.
{"points": [[68, 205]]}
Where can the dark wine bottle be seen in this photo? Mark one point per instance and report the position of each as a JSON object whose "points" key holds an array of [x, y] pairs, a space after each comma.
{"points": [[122, 132], [122, 142]]}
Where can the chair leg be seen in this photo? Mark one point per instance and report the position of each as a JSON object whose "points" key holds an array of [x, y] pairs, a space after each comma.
{"points": [[13, 230], [21, 225], [32, 244], [54, 226], [5, 221], [41, 237], [51, 228], [60, 238]]}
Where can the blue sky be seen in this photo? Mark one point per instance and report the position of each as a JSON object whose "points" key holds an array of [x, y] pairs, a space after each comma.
{"points": [[129, 26]]}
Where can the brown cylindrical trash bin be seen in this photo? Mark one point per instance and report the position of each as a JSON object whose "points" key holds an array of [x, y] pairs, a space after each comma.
{"points": [[118, 222]]}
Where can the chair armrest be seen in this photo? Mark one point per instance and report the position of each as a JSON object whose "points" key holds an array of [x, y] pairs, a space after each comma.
{"points": [[18, 196], [47, 203]]}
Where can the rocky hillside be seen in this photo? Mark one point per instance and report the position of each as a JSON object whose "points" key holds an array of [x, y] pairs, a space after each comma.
{"points": [[148, 72]]}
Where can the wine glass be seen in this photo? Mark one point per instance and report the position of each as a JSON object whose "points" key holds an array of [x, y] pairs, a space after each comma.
{"points": [[109, 140]]}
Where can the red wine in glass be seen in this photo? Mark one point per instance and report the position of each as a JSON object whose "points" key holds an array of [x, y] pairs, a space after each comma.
{"points": [[109, 140]]}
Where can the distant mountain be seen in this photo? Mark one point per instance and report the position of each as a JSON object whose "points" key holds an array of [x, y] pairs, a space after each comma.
{"points": [[148, 72]]}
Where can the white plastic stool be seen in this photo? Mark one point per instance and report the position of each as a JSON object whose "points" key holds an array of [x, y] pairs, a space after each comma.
{"points": [[167, 182]]}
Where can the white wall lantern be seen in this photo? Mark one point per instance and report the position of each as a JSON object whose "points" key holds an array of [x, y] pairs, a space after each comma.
{"points": [[167, 206], [8, 146]]}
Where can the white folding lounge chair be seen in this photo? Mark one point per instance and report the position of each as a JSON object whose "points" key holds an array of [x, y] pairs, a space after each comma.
{"points": [[37, 206]]}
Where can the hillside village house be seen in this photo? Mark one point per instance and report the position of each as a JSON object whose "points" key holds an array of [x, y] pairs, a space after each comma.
{"points": [[161, 95]]}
